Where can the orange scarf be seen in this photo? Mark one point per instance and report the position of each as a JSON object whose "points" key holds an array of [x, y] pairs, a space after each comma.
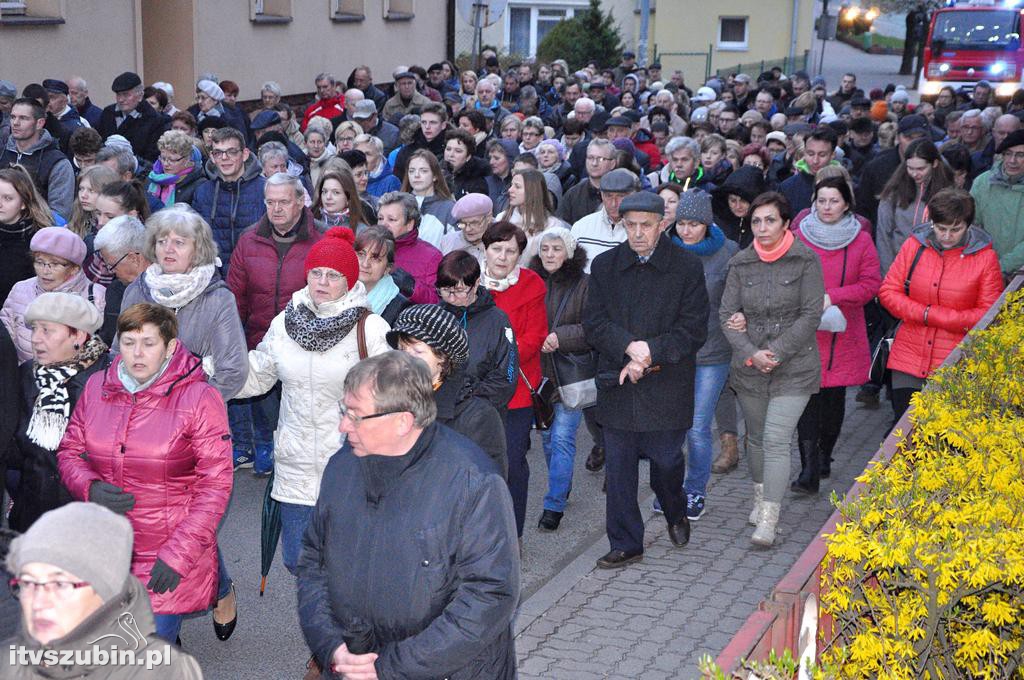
{"points": [[778, 251]]}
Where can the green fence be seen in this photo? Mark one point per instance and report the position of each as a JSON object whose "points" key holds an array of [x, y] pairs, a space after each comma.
{"points": [[756, 68], [696, 66]]}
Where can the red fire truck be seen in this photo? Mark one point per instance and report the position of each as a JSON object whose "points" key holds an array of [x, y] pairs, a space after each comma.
{"points": [[972, 41]]}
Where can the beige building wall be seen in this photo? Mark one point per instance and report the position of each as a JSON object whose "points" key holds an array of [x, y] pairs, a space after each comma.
{"points": [[97, 41], [693, 26]]}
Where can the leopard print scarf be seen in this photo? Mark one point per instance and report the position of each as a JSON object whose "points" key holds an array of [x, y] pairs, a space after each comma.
{"points": [[314, 334]]}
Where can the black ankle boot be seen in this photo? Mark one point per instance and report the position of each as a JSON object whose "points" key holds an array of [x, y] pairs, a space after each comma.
{"points": [[807, 482]]}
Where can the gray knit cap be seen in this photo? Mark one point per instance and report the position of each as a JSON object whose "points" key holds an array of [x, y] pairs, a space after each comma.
{"points": [[695, 205], [434, 326], [83, 539]]}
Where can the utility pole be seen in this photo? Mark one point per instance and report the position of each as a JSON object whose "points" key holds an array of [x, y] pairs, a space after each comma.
{"points": [[645, 20]]}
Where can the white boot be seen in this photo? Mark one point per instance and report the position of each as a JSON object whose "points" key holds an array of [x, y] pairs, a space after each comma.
{"points": [[758, 499], [767, 518]]}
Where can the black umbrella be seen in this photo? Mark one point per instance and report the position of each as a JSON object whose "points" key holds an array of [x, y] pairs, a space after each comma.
{"points": [[270, 532]]}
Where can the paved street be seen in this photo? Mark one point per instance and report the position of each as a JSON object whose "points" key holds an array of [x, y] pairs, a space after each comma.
{"points": [[873, 70]]}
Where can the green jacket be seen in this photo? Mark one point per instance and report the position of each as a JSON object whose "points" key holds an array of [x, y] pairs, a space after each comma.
{"points": [[999, 210]]}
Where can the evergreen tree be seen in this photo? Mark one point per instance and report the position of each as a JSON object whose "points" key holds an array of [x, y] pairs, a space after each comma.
{"points": [[590, 35]]}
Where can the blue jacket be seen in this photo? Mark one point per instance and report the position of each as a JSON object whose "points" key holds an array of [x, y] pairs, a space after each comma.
{"points": [[385, 182], [230, 207]]}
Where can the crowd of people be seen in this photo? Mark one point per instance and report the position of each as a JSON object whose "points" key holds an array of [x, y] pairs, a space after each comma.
{"points": [[373, 300]]}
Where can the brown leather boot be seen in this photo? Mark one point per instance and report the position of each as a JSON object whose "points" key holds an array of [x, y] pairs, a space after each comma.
{"points": [[729, 457]]}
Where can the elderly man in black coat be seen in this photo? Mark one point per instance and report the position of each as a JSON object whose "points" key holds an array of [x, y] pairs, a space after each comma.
{"points": [[133, 118], [646, 314], [410, 563]]}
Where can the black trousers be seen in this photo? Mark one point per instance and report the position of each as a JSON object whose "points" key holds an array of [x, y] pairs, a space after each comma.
{"points": [[822, 420], [901, 401]]}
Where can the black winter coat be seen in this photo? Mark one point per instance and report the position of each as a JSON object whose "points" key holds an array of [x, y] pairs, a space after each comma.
{"points": [[474, 418], [471, 178], [394, 308], [435, 146], [142, 132], [873, 178], [40, 488], [663, 302], [423, 553], [747, 183], [493, 367], [569, 280], [10, 401]]}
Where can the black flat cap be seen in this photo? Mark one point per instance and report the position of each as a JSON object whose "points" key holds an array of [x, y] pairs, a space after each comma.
{"points": [[126, 81], [56, 86]]}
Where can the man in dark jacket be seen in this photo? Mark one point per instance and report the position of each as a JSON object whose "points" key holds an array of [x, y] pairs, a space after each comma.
{"points": [[366, 116], [879, 170], [78, 91], [34, 149], [646, 314], [410, 566], [233, 198], [133, 118], [819, 151], [433, 123]]}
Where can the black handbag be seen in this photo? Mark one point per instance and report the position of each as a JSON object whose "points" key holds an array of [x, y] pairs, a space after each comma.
{"points": [[543, 401], [880, 359], [575, 372]]}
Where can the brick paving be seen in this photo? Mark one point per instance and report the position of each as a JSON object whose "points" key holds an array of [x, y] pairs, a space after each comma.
{"points": [[655, 619]]}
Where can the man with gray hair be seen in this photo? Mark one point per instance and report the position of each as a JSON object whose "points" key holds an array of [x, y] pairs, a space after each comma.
{"points": [[121, 244], [366, 117], [584, 198], [416, 259], [410, 566], [78, 92], [133, 118], [329, 103], [981, 161]]}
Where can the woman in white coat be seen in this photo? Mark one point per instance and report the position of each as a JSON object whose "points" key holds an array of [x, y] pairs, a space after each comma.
{"points": [[310, 347]]}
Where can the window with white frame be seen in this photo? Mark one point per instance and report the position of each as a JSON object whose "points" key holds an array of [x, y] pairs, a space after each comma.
{"points": [[271, 11], [348, 10], [732, 33], [399, 10], [15, 7], [528, 23]]}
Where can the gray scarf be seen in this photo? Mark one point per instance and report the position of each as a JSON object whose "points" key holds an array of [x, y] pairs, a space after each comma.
{"points": [[829, 236]]}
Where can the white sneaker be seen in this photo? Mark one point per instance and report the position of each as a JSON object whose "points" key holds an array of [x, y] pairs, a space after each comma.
{"points": [[767, 519], [758, 499]]}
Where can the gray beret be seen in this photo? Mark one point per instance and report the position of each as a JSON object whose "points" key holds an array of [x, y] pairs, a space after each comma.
{"points": [[620, 181], [642, 201], [695, 206], [83, 539], [66, 308]]}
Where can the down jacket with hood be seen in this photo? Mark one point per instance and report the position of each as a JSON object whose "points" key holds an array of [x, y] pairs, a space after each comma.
{"points": [[471, 178], [210, 327], [168, 445], [230, 207], [419, 259], [129, 608], [262, 280], [24, 292], [311, 388], [493, 364], [747, 182], [954, 288]]}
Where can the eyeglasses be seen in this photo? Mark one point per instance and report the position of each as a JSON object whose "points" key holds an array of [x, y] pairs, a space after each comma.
{"points": [[470, 224], [225, 153], [49, 266], [20, 587], [332, 276], [597, 159], [112, 267], [452, 291], [358, 420]]}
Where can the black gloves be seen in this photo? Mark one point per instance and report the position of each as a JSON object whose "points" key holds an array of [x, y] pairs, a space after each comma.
{"points": [[405, 282], [162, 578], [111, 497]]}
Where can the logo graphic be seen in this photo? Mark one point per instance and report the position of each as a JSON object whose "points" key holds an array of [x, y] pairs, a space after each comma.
{"points": [[126, 622]]}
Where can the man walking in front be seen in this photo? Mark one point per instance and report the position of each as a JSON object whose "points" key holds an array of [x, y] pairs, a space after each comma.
{"points": [[410, 565], [646, 314]]}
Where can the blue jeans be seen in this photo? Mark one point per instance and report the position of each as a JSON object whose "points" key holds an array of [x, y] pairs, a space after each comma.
{"points": [[294, 518], [252, 423], [707, 388], [168, 626], [223, 578], [560, 454]]}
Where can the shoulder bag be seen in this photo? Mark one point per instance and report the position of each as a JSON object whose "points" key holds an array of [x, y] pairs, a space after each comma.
{"points": [[575, 372], [880, 359]]}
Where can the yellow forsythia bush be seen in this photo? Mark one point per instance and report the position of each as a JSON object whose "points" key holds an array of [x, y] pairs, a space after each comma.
{"points": [[925, 572]]}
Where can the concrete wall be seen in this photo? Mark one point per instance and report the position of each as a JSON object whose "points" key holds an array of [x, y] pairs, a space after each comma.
{"points": [[169, 46], [96, 41], [691, 27], [230, 45]]}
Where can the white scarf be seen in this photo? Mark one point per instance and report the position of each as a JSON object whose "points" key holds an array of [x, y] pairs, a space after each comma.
{"points": [[500, 285], [177, 290]]}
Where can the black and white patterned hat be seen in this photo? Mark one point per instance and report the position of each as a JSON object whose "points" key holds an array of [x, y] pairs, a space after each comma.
{"points": [[434, 326]]}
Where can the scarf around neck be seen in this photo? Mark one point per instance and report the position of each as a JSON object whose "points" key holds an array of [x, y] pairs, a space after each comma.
{"points": [[778, 251], [500, 285], [315, 334], [163, 184], [830, 236], [132, 385], [709, 245], [177, 290], [52, 410], [382, 294]]}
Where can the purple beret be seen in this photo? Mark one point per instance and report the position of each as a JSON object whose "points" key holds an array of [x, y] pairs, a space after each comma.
{"points": [[61, 242], [559, 147], [472, 205]]}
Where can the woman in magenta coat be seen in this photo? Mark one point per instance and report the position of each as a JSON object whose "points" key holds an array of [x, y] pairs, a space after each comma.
{"points": [[149, 439], [519, 292], [850, 266]]}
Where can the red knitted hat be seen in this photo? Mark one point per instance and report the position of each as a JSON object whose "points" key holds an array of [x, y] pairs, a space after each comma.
{"points": [[335, 250]]}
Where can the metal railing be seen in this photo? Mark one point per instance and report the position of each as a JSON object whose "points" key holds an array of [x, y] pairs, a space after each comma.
{"points": [[756, 68], [776, 624]]}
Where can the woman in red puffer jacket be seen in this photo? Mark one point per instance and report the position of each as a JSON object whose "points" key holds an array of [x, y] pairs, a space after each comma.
{"points": [[955, 281], [519, 292], [149, 438]]}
